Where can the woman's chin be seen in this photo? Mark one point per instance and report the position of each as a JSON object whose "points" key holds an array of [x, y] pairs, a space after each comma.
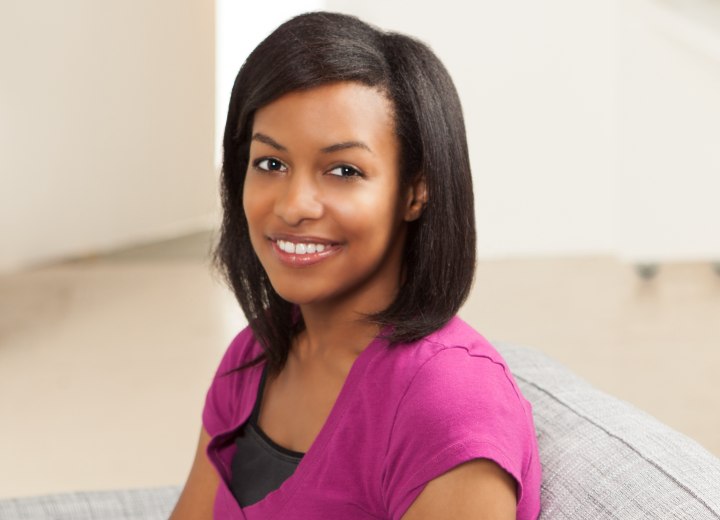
{"points": [[297, 297]]}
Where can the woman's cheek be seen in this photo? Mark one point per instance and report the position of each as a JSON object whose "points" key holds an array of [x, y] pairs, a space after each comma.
{"points": [[255, 195], [360, 197], [256, 205]]}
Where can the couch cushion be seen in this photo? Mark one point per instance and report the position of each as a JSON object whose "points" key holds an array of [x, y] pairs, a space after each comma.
{"points": [[137, 504], [603, 458]]}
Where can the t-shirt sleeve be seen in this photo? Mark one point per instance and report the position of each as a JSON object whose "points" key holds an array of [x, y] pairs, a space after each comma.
{"points": [[221, 399], [458, 407]]}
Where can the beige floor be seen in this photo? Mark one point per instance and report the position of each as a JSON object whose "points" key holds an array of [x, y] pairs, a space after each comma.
{"points": [[104, 362]]}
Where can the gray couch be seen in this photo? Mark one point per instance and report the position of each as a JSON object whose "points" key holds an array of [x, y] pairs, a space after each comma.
{"points": [[602, 459]]}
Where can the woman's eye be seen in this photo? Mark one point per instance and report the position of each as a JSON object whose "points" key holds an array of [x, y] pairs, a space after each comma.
{"points": [[270, 165], [345, 171]]}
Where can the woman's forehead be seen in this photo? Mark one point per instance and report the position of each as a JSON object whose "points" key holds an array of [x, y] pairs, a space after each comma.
{"points": [[328, 114]]}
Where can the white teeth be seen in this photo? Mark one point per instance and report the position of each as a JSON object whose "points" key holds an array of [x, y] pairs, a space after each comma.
{"points": [[300, 249]]}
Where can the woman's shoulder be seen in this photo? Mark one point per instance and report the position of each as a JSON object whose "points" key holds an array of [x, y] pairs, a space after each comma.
{"points": [[456, 346], [454, 364], [456, 333], [228, 396], [242, 349], [469, 348]]}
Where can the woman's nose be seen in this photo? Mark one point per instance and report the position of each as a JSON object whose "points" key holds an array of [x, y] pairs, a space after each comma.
{"points": [[299, 200]]}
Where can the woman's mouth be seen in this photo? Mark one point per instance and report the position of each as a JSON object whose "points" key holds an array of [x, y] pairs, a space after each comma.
{"points": [[300, 254], [300, 248]]}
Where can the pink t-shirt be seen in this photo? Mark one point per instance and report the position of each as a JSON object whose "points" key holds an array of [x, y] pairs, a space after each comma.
{"points": [[405, 415]]}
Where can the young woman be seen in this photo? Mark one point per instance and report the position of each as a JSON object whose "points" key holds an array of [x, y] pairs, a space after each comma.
{"points": [[349, 241]]}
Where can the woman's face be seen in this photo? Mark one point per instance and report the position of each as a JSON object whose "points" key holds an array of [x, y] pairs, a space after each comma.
{"points": [[322, 196]]}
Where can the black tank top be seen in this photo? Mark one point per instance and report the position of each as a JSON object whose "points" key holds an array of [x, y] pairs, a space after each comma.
{"points": [[259, 465]]}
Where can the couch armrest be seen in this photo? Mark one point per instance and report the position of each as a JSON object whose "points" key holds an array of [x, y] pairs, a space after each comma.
{"points": [[603, 458]]}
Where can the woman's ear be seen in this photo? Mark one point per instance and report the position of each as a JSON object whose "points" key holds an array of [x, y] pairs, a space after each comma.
{"points": [[417, 198]]}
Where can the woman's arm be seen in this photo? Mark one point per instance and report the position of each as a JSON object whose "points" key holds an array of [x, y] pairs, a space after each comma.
{"points": [[198, 496], [475, 490]]}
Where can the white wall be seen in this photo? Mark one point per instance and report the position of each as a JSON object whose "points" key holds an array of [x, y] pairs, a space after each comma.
{"points": [[106, 124], [669, 170]]}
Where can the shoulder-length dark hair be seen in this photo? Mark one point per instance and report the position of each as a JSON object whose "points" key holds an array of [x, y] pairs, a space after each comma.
{"points": [[439, 258]]}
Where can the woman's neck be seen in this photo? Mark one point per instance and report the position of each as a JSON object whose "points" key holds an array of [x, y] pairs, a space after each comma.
{"points": [[333, 336]]}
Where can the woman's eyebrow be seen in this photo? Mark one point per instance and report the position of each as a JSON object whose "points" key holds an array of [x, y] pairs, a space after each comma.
{"points": [[344, 146], [269, 141], [328, 149]]}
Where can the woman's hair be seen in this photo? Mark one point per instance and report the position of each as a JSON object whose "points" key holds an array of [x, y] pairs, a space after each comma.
{"points": [[439, 257]]}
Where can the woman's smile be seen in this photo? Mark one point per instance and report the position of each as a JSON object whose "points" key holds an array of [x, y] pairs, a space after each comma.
{"points": [[301, 252]]}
